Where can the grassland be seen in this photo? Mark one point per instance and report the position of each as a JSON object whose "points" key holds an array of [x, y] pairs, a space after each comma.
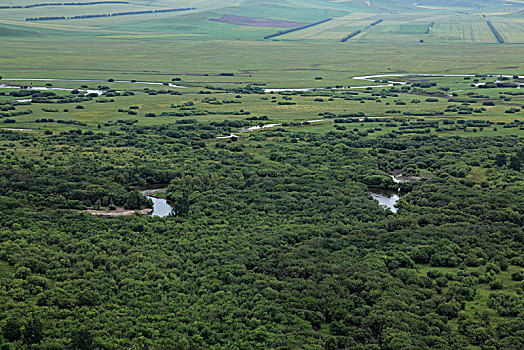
{"points": [[190, 47], [480, 304], [449, 99], [157, 46], [412, 29]]}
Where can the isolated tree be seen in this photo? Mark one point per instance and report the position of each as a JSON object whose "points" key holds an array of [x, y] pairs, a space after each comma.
{"points": [[515, 163], [22, 272], [500, 159], [181, 205], [449, 309], [12, 330], [82, 340], [134, 200], [33, 331]]}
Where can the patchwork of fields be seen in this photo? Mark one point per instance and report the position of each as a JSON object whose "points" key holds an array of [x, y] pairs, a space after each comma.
{"points": [[430, 28], [221, 19], [192, 43]]}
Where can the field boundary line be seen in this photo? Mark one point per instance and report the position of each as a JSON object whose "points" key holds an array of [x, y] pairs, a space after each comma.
{"points": [[282, 32]]}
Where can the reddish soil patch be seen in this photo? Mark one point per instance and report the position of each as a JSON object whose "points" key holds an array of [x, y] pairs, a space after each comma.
{"points": [[257, 22]]}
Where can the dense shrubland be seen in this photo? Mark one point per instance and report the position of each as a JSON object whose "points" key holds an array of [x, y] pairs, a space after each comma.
{"points": [[275, 243]]}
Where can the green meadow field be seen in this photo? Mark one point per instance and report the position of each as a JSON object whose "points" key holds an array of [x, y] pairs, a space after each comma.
{"points": [[152, 45], [188, 46]]}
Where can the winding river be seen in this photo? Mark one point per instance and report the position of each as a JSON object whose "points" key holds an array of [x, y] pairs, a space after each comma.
{"points": [[386, 198], [86, 91], [161, 207], [389, 198], [44, 88], [370, 78], [389, 83]]}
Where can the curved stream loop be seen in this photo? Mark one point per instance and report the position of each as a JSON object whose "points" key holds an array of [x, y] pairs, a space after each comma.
{"points": [[161, 207], [370, 78]]}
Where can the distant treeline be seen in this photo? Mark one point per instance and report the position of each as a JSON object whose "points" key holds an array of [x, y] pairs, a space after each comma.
{"points": [[282, 32], [356, 32], [428, 29], [64, 4], [495, 32], [349, 36], [109, 14]]}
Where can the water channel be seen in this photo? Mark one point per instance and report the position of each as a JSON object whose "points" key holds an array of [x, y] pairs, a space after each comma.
{"points": [[386, 198], [161, 207], [389, 198]]}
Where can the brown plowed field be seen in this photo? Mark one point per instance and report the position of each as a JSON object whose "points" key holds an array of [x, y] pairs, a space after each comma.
{"points": [[257, 22]]}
